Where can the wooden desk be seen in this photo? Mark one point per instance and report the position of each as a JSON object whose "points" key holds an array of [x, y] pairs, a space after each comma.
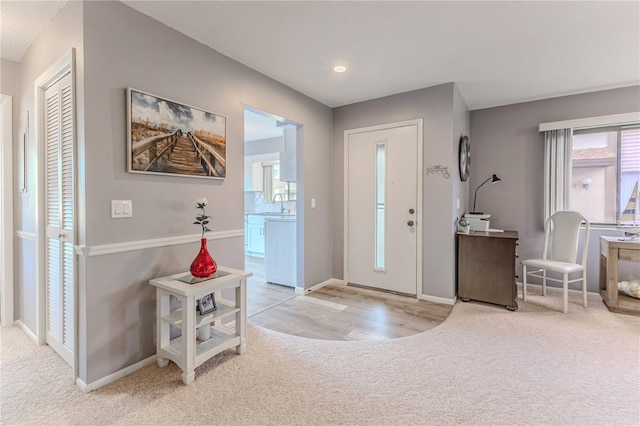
{"points": [[487, 267], [611, 251]]}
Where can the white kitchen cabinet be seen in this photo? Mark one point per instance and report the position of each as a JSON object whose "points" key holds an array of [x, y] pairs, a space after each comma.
{"points": [[255, 235], [288, 156], [280, 251], [246, 233], [253, 175], [288, 166]]}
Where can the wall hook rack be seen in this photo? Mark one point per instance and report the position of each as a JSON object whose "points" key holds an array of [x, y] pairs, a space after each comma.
{"points": [[439, 169]]}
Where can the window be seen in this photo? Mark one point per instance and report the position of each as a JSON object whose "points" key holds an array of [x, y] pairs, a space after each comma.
{"points": [[592, 165], [380, 205], [605, 170], [273, 185]]}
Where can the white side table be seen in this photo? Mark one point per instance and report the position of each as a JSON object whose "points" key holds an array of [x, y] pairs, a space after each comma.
{"points": [[186, 351]]}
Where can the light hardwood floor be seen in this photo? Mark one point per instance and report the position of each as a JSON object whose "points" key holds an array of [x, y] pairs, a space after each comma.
{"points": [[260, 294], [337, 312]]}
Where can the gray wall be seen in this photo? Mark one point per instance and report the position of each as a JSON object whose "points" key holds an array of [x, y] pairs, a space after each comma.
{"points": [[119, 47], [442, 129], [505, 141], [126, 48], [460, 128]]}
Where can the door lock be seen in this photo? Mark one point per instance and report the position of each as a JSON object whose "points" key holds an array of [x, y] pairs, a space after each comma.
{"points": [[410, 223], [412, 211]]}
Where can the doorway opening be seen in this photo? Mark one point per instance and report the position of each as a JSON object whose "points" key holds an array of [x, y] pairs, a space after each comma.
{"points": [[270, 208]]}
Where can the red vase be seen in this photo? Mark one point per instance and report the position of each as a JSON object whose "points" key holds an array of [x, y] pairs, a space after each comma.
{"points": [[203, 265]]}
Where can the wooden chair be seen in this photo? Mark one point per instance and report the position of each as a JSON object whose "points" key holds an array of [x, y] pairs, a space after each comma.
{"points": [[564, 228]]}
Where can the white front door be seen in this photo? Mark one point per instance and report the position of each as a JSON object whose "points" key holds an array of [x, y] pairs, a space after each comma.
{"points": [[382, 206]]}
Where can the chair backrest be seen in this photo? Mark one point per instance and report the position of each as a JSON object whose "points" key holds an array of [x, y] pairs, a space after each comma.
{"points": [[564, 226]]}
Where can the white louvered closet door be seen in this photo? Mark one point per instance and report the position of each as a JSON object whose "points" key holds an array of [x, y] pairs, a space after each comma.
{"points": [[60, 220]]}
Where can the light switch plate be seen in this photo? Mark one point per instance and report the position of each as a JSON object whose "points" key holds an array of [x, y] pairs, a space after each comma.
{"points": [[121, 209], [313, 203]]}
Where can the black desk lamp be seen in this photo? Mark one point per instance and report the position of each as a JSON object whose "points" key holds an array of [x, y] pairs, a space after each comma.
{"points": [[493, 180]]}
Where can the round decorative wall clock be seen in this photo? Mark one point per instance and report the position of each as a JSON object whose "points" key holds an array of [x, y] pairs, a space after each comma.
{"points": [[464, 158]]}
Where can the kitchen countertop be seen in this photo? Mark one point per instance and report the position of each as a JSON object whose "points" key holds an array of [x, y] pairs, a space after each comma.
{"points": [[271, 213]]}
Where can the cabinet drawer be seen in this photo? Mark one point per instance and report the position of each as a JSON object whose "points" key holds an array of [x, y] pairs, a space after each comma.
{"points": [[629, 255]]}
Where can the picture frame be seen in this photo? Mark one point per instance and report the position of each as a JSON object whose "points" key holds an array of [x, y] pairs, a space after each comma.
{"points": [[165, 137], [207, 304]]}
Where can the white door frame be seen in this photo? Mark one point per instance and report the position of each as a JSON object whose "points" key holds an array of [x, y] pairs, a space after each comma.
{"points": [[299, 289], [6, 220], [419, 177], [60, 68]]}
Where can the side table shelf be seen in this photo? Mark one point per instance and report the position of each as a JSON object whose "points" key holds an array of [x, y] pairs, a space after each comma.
{"points": [[175, 317], [220, 340], [186, 351], [613, 250]]}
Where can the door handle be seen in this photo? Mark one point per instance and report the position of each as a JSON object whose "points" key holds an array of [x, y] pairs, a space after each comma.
{"points": [[410, 223], [61, 236]]}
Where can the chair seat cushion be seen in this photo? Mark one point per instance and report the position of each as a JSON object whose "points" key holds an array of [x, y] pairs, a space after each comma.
{"points": [[553, 265]]}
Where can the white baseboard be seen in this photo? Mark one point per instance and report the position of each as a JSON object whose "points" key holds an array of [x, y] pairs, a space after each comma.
{"points": [[26, 330], [443, 300], [324, 283], [84, 387]]}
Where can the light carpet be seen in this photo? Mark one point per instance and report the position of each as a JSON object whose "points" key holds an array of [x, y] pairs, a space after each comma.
{"points": [[483, 365]]}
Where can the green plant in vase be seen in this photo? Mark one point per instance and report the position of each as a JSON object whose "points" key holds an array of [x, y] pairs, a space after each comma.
{"points": [[202, 219], [203, 265]]}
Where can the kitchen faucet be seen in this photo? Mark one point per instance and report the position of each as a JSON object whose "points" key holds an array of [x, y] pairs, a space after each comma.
{"points": [[281, 201]]}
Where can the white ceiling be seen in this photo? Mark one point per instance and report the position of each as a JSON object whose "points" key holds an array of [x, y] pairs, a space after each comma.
{"points": [[497, 52], [20, 24]]}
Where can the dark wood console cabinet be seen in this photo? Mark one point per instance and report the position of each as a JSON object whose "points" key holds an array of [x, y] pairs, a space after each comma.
{"points": [[487, 267]]}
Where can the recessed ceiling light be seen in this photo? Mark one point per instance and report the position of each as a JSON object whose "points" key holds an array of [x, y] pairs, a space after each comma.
{"points": [[340, 68]]}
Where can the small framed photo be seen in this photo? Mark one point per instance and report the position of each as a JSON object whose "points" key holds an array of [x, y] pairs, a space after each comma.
{"points": [[207, 304]]}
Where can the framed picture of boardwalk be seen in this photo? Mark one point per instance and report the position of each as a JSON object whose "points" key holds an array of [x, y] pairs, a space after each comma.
{"points": [[169, 138]]}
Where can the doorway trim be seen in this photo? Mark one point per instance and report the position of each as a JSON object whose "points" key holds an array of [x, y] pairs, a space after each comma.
{"points": [[299, 202], [419, 175], [6, 221], [64, 65]]}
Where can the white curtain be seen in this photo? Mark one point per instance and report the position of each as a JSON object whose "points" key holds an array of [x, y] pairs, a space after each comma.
{"points": [[557, 171]]}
